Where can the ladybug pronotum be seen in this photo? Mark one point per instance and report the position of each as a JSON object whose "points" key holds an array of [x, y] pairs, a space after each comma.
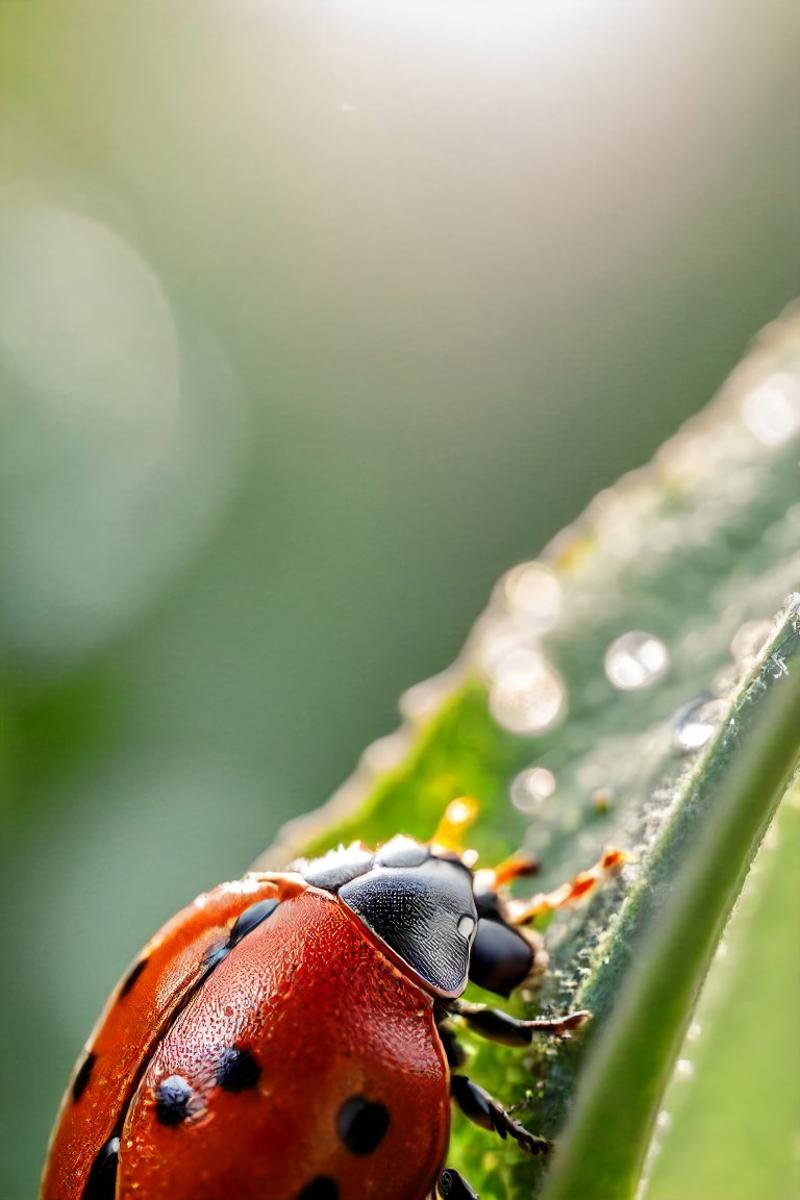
{"points": [[292, 1036]]}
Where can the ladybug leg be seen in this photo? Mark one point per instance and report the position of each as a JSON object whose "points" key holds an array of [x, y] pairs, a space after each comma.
{"points": [[543, 904], [499, 1026], [486, 1112], [454, 1051], [452, 1186], [519, 866]]}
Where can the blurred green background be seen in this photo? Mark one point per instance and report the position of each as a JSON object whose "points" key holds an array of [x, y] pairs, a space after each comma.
{"points": [[313, 318]]}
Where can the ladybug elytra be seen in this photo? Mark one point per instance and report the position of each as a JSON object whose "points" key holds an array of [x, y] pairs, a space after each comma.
{"points": [[290, 1036]]}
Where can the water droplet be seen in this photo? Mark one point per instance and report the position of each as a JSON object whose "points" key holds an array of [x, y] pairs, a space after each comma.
{"points": [[533, 592], [664, 1119], [636, 660], [492, 639], [750, 639], [684, 1069], [531, 788], [528, 694], [772, 411], [696, 723], [694, 1031]]}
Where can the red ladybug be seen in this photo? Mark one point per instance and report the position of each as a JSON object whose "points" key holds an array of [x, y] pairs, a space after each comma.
{"points": [[288, 1037]]}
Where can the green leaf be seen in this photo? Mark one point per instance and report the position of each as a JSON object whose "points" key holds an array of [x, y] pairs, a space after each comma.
{"points": [[539, 720], [745, 1028], [681, 901]]}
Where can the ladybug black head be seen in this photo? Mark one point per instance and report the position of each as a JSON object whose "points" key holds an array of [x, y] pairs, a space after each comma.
{"points": [[420, 902]]}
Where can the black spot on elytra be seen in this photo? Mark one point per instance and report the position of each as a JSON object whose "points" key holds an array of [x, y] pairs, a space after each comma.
{"points": [[83, 1076], [321, 1188], [362, 1124], [252, 917], [245, 923], [102, 1181], [238, 1070], [131, 977], [173, 1097]]}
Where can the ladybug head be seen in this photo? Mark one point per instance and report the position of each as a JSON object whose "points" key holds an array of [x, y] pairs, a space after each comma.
{"points": [[419, 900]]}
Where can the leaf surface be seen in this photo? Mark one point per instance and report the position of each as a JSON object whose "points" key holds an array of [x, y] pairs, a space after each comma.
{"points": [[630, 688]]}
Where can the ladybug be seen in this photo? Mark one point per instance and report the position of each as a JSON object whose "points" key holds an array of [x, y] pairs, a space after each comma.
{"points": [[290, 1036]]}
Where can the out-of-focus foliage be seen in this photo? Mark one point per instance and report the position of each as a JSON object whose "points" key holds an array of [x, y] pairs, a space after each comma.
{"points": [[314, 317], [636, 662]]}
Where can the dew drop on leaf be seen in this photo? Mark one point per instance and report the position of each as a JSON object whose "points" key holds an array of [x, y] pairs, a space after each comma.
{"points": [[527, 694], [531, 788], [636, 660], [532, 592], [772, 411], [696, 723]]}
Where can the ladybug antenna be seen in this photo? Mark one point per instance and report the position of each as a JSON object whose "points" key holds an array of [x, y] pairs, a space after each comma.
{"points": [[459, 815]]}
